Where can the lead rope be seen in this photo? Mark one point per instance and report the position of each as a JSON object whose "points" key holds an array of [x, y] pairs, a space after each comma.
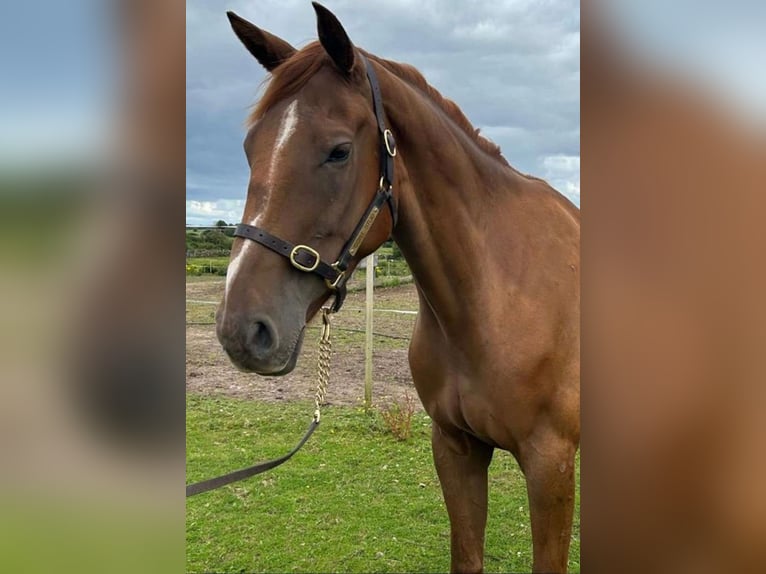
{"points": [[323, 378], [323, 364]]}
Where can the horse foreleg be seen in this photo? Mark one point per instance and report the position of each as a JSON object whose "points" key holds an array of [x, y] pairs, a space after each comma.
{"points": [[548, 464], [461, 463]]}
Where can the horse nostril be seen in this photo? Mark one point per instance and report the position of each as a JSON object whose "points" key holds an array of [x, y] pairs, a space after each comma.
{"points": [[260, 338]]}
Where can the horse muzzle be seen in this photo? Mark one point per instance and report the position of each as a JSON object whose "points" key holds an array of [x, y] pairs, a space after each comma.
{"points": [[258, 344]]}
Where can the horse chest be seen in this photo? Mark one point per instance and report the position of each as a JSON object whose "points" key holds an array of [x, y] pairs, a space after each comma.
{"points": [[456, 404], [489, 404]]}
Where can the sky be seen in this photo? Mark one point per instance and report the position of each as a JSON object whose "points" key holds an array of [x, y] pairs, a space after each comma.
{"points": [[513, 67], [54, 101]]}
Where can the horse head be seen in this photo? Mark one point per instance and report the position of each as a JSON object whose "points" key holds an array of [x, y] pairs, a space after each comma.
{"points": [[313, 147]]}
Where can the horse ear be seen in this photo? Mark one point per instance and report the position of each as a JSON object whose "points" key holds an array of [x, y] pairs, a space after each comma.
{"points": [[268, 49], [334, 39]]}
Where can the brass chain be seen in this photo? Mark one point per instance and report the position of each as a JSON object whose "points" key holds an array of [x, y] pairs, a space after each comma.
{"points": [[323, 364]]}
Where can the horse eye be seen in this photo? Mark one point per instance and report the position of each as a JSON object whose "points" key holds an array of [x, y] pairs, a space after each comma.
{"points": [[340, 153]]}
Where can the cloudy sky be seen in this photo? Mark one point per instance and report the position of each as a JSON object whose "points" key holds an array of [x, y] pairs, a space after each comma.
{"points": [[513, 66]]}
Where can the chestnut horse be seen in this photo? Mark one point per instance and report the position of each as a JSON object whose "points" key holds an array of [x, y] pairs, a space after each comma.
{"points": [[495, 256]]}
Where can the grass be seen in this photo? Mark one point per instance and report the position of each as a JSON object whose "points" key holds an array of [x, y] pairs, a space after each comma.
{"points": [[355, 499], [204, 261]]}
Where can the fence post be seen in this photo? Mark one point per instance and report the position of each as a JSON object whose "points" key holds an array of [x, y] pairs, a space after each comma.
{"points": [[369, 287]]}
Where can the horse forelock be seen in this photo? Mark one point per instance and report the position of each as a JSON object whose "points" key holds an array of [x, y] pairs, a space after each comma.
{"points": [[289, 77]]}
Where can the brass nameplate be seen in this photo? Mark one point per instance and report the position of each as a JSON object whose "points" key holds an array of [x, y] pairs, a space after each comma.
{"points": [[363, 232]]}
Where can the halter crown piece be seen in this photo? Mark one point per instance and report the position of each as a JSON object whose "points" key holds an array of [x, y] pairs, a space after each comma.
{"points": [[307, 259]]}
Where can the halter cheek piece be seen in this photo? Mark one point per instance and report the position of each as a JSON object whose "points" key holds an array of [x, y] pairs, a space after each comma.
{"points": [[307, 259]]}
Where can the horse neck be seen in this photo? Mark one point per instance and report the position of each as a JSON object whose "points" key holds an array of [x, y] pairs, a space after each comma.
{"points": [[445, 200]]}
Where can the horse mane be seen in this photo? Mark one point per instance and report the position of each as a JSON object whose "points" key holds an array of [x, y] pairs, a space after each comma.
{"points": [[289, 77], [412, 76]]}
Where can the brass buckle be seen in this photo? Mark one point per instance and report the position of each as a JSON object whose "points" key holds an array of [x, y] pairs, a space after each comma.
{"points": [[389, 142], [300, 266], [334, 284]]}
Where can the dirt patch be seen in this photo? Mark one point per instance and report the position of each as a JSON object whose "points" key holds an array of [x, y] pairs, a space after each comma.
{"points": [[209, 372]]}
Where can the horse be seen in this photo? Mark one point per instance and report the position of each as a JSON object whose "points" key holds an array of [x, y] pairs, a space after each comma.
{"points": [[495, 354]]}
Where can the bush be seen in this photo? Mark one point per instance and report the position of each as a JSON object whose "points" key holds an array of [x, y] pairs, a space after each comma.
{"points": [[199, 253], [398, 417], [219, 240], [215, 237]]}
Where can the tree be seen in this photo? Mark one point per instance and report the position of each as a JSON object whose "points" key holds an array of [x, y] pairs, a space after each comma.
{"points": [[221, 223]]}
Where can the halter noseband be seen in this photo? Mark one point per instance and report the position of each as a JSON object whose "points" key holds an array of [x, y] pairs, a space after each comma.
{"points": [[307, 259]]}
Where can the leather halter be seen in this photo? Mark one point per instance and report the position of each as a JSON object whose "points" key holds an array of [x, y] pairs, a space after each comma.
{"points": [[307, 259]]}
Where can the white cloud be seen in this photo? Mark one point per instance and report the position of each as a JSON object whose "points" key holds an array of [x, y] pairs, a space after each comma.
{"points": [[563, 173], [562, 163], [208, 212], [483, 30]]}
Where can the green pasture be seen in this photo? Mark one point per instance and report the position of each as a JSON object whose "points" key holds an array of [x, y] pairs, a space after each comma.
{"points": [[355, 499]]}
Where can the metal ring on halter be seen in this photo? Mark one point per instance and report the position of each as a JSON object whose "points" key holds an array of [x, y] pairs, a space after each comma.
{"points": [[334, 284], [388, 139], [326, 312]]}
